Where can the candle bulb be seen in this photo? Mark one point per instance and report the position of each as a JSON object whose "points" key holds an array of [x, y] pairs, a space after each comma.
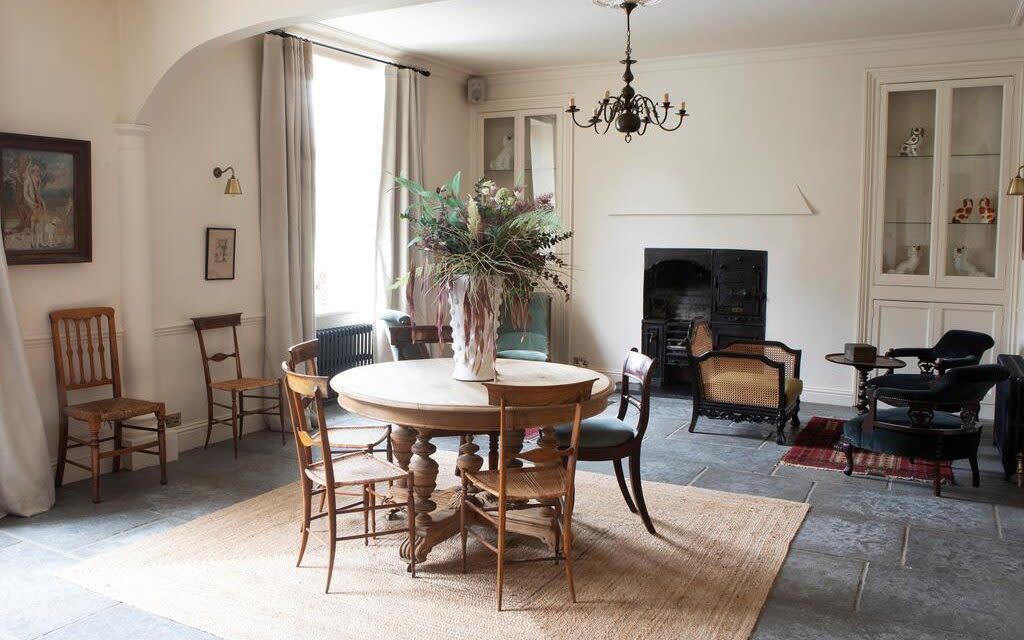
{"points": [[682, 105], [665, 99], [572, 102], [606, 94], [596, 111]]}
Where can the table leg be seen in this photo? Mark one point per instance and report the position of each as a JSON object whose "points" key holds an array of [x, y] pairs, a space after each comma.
{"points": [[548, 439], [402, 439], [468, 458], [513, 446], [862, 390], [425, 469]]}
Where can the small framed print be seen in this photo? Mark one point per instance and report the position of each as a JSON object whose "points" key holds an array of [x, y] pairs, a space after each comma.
{"points": [[220, 253]]}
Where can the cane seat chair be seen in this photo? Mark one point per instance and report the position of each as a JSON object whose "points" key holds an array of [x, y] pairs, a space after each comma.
{"points": [[919, 428], [746, 381], [548, 483], [238, 386], [341, 437], [346, 476], [612, 438], [84, 357]]}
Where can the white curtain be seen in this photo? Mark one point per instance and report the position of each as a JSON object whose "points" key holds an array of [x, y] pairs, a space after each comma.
{"points": [[26, 480], [287, 196], [402, 155]]}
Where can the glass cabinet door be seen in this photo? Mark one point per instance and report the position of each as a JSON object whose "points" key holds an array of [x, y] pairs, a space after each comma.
{"points": [[909, 182], [540, 139], [973, 184], [499, 150]]}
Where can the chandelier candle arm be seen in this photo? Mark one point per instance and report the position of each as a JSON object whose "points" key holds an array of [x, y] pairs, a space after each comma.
{"points": [[631, 112]]}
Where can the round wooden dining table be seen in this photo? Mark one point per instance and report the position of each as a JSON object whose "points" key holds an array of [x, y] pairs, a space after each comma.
{"points": [[422, 400]]}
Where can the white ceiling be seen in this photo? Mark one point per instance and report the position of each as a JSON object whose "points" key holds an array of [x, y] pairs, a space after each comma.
{"points": [[485, 36]]}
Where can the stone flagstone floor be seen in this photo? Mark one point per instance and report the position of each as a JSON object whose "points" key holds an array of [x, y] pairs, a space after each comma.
{"points": [[874, 559]]}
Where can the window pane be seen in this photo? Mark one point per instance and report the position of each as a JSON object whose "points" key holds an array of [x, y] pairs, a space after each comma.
{"points": [[348, 115], [499, 151], [540, 155]]}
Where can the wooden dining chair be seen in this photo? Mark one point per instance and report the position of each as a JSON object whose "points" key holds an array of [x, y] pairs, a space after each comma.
{"points": [[549, 482], [348, 475], [342, 438], [607, 438], [85, 357], [237, 386]]}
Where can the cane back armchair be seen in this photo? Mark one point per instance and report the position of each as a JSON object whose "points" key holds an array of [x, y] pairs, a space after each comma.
{"points": [[746, 381]]}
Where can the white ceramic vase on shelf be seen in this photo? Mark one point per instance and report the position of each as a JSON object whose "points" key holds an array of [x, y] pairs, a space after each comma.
{"points": [[476, 310]]}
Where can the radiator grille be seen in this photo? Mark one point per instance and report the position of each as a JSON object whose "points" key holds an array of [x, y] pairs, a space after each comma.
{"points": [[345, 347]]}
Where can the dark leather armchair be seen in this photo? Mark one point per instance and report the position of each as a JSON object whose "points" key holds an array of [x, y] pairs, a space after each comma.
{"points": [[919, 428], [956, 348]]}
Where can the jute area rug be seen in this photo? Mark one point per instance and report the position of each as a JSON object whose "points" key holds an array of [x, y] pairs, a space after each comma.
{"points": [[232, 573]]}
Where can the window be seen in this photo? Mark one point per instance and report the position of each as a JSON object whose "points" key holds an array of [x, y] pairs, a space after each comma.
{"points": [[348, 125]]}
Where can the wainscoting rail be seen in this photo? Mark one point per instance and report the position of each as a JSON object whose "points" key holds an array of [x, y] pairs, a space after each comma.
{"points": [[43, 340]]}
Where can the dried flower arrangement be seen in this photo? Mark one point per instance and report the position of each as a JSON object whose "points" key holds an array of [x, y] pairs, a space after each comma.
{"points": [[494, 246]]}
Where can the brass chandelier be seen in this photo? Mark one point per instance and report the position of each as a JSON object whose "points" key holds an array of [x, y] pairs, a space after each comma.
{"points": [[630, 111]]}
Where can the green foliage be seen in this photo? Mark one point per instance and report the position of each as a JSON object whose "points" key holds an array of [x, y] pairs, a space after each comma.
{"points": [[491, 232]]}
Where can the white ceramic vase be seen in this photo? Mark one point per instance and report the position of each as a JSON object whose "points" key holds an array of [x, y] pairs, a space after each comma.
{"points": [[478, 319]]}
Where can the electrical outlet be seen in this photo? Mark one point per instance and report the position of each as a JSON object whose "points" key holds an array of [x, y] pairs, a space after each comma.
{"points": [[172, 420]]}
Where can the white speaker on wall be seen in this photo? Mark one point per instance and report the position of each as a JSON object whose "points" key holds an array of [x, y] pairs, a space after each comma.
{"points": [[476, 90]]}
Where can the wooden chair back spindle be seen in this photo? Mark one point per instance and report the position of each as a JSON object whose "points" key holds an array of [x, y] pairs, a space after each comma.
{"points": [[85, 350], [303, 392]]}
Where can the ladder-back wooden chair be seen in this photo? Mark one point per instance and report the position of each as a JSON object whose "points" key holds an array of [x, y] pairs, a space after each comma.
{"points": [[354, 474], [342, 438], [237, 386], [612, 438], [549, 482], [85, 357]]}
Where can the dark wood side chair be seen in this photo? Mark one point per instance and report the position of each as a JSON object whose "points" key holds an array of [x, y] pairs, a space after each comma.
{"points": [[920, 429], [607, 438], [745, 381], [341, 437], [237, 386], [349, 475], [84, 357], [549, 482]]}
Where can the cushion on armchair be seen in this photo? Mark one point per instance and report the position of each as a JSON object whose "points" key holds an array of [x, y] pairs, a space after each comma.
{"points": [[520, 345], [597, 432], [882, 440], [747, 385]]}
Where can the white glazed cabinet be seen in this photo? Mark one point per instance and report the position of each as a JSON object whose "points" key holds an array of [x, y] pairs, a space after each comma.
{"points": [[942, 242]]}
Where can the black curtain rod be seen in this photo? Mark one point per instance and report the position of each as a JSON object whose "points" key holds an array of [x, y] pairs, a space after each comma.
{"points": [[285, 34]]}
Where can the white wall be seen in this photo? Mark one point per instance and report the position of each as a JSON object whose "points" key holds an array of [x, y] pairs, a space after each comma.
{"points": [[763, 124], [58, 59], [201, 119]]}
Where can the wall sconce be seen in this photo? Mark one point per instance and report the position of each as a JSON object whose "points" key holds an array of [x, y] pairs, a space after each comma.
{"points": [[1016, 188], [233, 187]]}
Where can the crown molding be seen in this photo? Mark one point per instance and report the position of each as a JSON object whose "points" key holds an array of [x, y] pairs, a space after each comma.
{"points": [[945, 39], [331, 35]]}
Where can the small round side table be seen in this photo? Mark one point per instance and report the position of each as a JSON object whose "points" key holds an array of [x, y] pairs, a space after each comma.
{"points": [[880, 362]]}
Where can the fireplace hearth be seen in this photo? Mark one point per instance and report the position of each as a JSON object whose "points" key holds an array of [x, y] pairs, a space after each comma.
{"points": [[726, 286]]}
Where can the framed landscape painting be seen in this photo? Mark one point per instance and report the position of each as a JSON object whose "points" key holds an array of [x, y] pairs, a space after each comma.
{"points": [[45, 199], [220, 253]]}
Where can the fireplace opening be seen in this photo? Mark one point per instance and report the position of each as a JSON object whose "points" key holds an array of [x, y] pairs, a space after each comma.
{"points": [[725, 286]]}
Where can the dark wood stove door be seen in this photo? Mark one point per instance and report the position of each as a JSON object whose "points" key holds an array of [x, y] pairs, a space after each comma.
{"points": [[739, 294]]}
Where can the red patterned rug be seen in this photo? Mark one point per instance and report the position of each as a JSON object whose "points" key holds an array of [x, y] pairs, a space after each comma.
{"points": [[814, 444]]}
